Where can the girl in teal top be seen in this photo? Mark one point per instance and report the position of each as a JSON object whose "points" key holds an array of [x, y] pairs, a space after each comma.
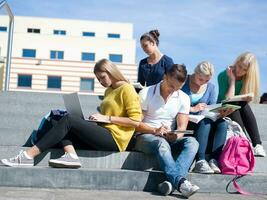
{"points": [[242, 78]]}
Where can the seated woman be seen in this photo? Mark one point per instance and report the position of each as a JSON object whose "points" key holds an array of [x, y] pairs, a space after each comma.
{"points": [[243, 78], [202, 93], [120, 106]]}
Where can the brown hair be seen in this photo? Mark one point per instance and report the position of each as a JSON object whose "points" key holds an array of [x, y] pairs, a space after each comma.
{"points": [[152, 36], [178, 72]]}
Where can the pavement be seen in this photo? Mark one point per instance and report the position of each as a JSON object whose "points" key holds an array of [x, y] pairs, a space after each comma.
{"points": [[12, 193]]}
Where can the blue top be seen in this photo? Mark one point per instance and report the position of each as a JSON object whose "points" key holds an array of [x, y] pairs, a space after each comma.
{"points": [[209, 96], [152, 74]]}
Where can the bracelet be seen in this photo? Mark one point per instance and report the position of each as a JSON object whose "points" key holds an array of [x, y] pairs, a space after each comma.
{"points": [[109, 118]]}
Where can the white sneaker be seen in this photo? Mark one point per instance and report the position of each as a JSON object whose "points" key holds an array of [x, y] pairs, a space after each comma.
{"points": [[187, 189], [19, 160], [214, 166], [65, 161], [202, 167], [165, 188], [259, 151]]}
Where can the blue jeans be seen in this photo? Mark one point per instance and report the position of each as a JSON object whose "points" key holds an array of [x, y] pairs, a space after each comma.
{"points": [[175, 170], [202, 132]]}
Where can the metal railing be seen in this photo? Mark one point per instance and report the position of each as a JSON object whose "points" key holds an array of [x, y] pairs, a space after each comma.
{"points": [[3, 4]]}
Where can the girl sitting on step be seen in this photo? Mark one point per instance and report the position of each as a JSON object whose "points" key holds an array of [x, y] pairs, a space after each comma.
{"points": [[120, 107]]}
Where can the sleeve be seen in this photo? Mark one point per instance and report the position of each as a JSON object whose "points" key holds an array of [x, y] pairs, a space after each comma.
{"points": [[143, 99], [169, 63], [212, 97], [223, 86], [185, 107], [141, 77], [132, 103]]}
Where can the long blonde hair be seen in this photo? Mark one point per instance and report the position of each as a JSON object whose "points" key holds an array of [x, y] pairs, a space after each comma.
{"points": [[251, 80], [105, 65]]}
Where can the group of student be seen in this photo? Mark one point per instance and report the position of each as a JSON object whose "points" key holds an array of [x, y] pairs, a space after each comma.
{"points": [[152, 115]]}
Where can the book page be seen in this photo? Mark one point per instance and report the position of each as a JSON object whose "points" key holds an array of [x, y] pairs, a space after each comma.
{"points": [[238, 97], [196, 118]]}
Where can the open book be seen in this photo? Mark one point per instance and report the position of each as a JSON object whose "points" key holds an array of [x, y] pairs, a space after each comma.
{"points": [[212, 112], [137, 85], [238, 97]]}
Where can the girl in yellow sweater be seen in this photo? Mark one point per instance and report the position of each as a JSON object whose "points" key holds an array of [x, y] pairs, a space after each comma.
{"points": [[120, 107]]}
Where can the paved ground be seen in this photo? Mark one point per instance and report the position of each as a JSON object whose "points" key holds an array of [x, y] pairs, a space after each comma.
{"points": [[9, 193]]}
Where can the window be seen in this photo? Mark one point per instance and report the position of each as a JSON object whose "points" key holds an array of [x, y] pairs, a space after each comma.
{"points": [[54, 82], [28, 53], [88, 56], [59, 32], [33, 30], [3, 28], [56, 54], [87, 84], [115, 58], [24, 80], [89, 34], [113, 35]]}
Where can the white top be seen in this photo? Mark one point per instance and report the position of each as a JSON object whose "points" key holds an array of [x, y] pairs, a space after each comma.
{"points": [[156, 111]]}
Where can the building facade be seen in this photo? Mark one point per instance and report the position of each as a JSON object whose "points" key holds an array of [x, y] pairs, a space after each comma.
{"points": [[58, 55]]}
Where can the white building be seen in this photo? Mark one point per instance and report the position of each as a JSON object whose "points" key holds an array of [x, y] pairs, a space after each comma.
{"points": [[58, 55]]}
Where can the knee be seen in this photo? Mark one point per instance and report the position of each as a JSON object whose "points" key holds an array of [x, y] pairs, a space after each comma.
{"points": [[161, 145], [191, 143]]}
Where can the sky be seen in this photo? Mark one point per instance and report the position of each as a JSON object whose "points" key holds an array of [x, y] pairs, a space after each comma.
{"points": [[191, 31]]}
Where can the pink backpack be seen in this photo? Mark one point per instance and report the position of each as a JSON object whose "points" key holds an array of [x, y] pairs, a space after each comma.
{"points": [[237, 158]]}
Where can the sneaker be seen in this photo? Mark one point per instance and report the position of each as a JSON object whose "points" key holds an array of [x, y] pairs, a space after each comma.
{"points": [[187, 189], [259, 151], [65, 161], [214, 166], [19, 160], [165, 188], [202, 167]]}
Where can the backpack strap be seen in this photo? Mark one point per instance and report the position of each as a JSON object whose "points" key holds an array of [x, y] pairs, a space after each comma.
{"points": [[236, 186]]}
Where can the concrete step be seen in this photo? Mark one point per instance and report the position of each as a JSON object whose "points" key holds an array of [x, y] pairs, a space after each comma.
{"points": [[109, 160], [98, 179], [92, 159], [22, 193]]}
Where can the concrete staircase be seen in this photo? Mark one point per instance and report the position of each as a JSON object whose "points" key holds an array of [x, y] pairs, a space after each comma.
{"points": [[20, 114]]}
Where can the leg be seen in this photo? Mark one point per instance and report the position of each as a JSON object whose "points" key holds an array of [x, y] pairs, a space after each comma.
{"points": [[220, 128], [187, 148], [159, 147], [202, 131], [250, 124], [91, 133]]}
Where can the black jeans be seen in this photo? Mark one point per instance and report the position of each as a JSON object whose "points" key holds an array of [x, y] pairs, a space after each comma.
{"points": [[246, 119], [88, 133]]}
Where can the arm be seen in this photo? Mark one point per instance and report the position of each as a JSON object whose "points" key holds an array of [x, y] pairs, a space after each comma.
{"points": [[231, 90], [140, 77], [197, 108], [223, 85], [182, 122], [146, 129]]}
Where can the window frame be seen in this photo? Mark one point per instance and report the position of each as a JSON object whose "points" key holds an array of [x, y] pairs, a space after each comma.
{"points": [[54, 88], [89, 54], [19, 75], [56, 54], [93, 84], [24, 51], [112, 54]]}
